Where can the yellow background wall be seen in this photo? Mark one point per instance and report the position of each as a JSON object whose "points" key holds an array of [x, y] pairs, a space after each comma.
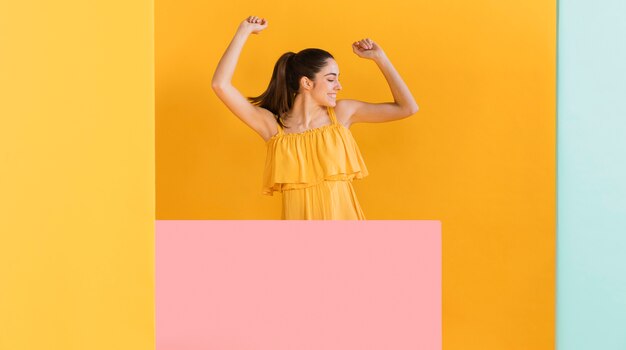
{"points": [[77, 175], [479, 155]]}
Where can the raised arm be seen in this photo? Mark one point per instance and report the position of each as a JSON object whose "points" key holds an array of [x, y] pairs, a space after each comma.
{"points": [[259, 119], [404, 104]]}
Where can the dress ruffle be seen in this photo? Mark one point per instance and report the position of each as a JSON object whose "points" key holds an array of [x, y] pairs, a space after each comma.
{"points": [[306, 159]]}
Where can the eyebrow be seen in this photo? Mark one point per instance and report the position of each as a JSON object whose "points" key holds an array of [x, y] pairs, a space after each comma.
{"points": [[331, 74]]}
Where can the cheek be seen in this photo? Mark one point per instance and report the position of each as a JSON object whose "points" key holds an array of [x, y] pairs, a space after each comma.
{"points": [[323, 89]]}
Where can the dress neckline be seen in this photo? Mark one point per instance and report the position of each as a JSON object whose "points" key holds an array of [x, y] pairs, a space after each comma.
{"points": [[331, 116], [308, 130]]}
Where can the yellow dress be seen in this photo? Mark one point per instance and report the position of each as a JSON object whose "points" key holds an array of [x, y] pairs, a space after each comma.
{"points": [[314, 170]]}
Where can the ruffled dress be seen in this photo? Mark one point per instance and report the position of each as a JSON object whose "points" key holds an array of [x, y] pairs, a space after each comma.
{"points": [[314, 170]]}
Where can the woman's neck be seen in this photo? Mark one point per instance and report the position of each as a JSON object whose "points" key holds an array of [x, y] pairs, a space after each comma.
{"points": [[306, 114]]}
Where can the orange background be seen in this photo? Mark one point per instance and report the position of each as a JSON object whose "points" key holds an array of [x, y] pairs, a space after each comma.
{"points": [[479, 155]]}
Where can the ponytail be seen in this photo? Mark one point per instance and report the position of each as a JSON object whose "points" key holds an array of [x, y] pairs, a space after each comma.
{"points": [[281, 92], [279, 96]]}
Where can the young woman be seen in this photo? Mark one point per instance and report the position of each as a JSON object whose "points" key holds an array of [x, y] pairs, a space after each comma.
{"points": [[312, 157]]}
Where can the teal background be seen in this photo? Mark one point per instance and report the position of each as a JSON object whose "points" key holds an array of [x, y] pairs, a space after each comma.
{"points": [[591, 175]]}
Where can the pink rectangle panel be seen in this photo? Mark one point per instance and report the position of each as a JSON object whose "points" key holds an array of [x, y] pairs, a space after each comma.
{"points": [[298, 285]]}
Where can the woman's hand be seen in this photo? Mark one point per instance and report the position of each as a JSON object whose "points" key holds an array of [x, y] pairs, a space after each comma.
{"points": [[253, 24], [366, 48]]}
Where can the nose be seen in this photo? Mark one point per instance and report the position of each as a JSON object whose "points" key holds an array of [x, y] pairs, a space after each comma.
{"points": [[338, 87]]}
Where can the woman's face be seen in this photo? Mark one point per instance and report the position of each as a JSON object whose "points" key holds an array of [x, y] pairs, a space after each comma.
{"points": [[326, 84]]}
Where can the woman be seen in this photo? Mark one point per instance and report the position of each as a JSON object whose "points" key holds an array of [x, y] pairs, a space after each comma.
{"points": [[311, 155]]}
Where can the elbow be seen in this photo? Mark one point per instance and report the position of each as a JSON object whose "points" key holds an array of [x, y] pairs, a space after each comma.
{"points": [[413, 108], [216, 86], [408, 109], [219, 85]]}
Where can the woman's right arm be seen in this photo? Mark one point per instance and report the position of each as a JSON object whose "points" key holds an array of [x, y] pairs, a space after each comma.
{"points": [[259, 119]]}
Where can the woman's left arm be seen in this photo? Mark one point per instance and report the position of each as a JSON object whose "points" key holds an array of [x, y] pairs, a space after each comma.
{"points": [[404, 104]]}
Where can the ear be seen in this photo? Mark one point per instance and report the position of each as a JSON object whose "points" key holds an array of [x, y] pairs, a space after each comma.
{"points": [[306, 83]]}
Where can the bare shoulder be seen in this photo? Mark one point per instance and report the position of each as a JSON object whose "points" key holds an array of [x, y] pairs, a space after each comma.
{"points": [[270, 125], [344, 109], [261, 120]]}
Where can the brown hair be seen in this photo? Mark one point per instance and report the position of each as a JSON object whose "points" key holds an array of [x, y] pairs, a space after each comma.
{"points": [[283, 87]]}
